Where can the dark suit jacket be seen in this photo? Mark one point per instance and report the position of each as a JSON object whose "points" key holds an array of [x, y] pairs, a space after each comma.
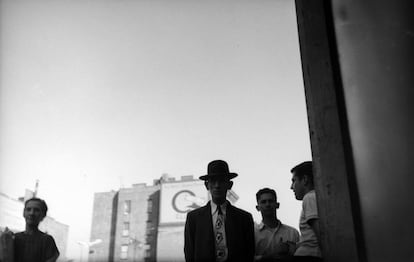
{"points": [[199, 245]]}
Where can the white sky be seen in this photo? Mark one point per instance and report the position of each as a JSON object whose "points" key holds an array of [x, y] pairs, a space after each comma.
{"points": [[99, 94]]}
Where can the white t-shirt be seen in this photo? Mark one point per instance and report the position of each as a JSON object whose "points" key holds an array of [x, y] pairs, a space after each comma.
{"points": [[308, 243]]}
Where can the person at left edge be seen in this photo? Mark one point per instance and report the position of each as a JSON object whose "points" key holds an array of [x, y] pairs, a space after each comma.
{"points": [[32, 245], [200, 241]]}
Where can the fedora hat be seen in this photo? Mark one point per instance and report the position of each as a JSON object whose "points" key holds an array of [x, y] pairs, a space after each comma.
{"points": [[218, 168]]}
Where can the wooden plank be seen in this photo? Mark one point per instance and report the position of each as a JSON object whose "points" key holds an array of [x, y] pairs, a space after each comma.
{"points": [[331, 154]]}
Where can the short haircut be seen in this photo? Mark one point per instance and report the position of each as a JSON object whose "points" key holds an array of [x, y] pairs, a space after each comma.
{"points": [[264, 191], [303, 169], [43, 205]]}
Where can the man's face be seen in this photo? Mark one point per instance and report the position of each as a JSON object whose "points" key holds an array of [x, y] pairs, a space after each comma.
{"points": [[298, 186], [267, 204], [32, 213], [218, 188]]}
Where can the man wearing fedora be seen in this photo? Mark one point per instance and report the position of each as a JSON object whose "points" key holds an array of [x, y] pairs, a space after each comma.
{"points": [[218, 231]]}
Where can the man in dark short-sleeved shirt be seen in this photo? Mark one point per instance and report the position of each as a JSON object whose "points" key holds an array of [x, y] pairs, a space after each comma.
{"points": [[32, 245]]}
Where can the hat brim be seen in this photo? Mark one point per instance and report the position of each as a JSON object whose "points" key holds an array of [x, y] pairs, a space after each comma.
{"points": [[227, 175]]}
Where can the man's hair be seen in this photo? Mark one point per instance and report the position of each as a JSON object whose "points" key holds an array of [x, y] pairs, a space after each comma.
{"points": [[43, 205], [264, 191], [303, 169]]}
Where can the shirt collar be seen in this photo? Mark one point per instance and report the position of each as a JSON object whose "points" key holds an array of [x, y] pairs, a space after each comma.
{"points": [[262, 226], [310, 192], [222, 206]]}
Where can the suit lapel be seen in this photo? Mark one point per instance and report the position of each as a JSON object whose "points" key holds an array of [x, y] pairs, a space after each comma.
{"points": [[229, 220], [207, 224], [231, 233], [208, 219]]}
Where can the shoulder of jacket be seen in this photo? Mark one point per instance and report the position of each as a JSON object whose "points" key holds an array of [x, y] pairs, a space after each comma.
{"points": [[197, 210], [240, 211]]}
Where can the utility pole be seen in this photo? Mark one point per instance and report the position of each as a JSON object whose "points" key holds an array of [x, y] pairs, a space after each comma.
{"points": [[36, 188]]}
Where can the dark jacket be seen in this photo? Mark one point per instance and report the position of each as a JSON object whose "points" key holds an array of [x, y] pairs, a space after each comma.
{"points": [[199, 245]]}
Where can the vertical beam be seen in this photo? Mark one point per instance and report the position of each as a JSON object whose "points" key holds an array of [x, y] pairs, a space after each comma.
{"points": [[335, 189], [375, 49]]}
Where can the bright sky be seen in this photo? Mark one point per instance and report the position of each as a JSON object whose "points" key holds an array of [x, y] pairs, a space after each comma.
{"points": [[99, 94]]}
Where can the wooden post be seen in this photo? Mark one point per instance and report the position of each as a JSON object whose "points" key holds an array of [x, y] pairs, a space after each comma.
{"points": [[334, 176]]}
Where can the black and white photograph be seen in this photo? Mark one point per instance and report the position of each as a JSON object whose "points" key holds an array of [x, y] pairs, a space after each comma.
{"points": [[206, 130]]}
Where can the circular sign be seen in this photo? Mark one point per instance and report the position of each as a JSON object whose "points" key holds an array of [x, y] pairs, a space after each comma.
{"points": [[183, 201]]}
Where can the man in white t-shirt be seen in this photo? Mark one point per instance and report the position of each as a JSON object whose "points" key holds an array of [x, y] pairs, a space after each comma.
{"points": [[308, 248]]}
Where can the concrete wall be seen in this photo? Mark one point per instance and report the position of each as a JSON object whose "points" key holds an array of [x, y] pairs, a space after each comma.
{"points": [[357, 60], [375, 43]]}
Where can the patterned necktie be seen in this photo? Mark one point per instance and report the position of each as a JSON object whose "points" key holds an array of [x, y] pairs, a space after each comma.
{"points": [[220, 241]]}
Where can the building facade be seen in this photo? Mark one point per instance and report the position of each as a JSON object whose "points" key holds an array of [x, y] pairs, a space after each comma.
{"points": [[124, 224], [145, 223]]}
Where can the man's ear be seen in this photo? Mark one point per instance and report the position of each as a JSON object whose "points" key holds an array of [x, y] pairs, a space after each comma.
{"points": [[277, 205], [305, 180], [308, 180], [230, 184], [206, 184], [257, 208]]}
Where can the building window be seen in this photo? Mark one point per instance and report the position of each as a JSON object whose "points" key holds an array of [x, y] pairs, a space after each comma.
{"points": [[150, 228], [149, 205], [127, 207], [124, 252], [125, 230]]}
